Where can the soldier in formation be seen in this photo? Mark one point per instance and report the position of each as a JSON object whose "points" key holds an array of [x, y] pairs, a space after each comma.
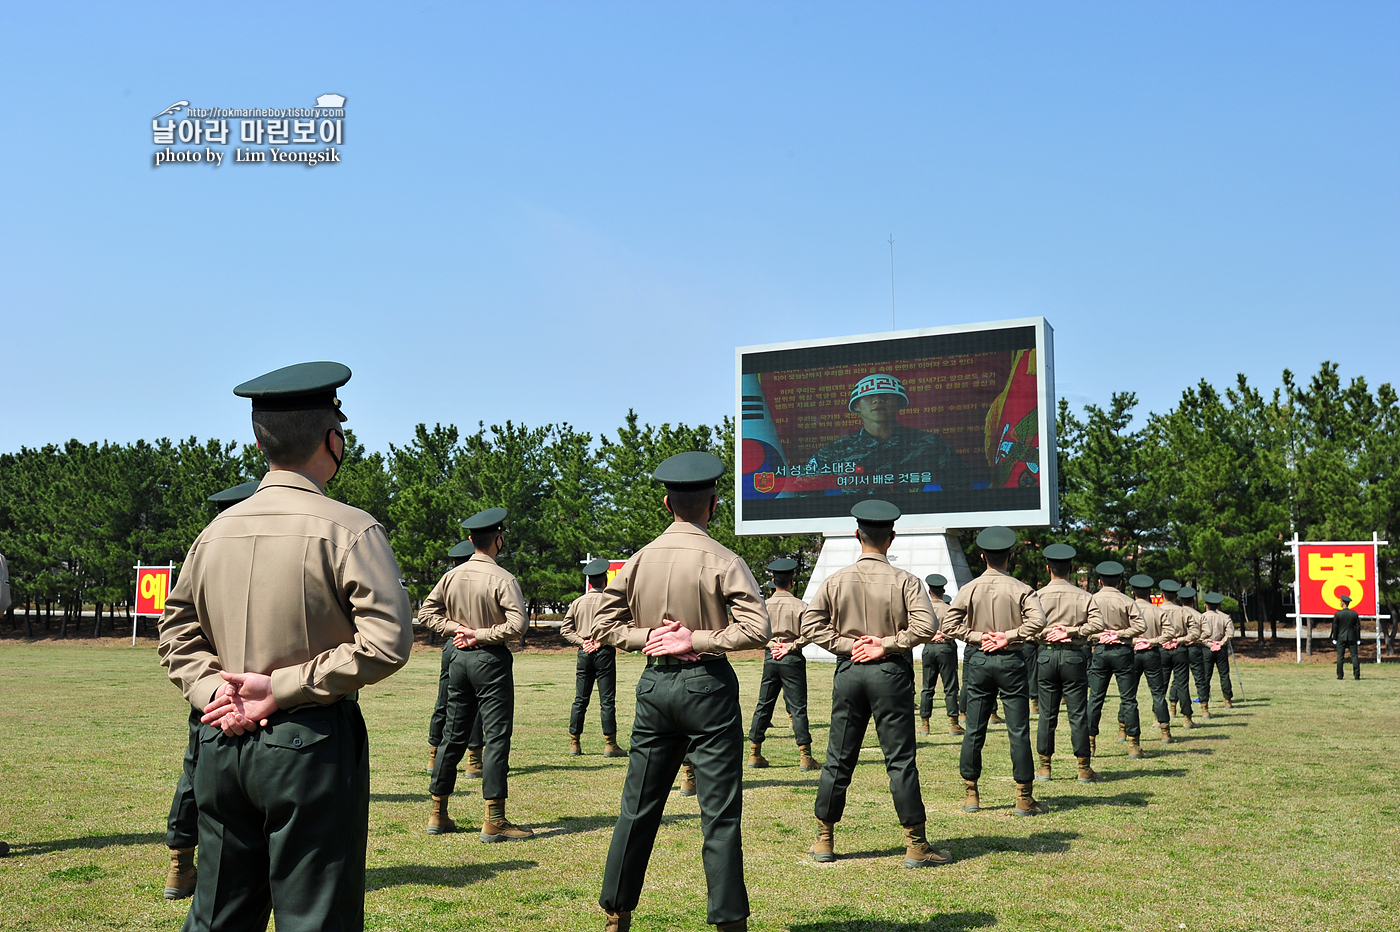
{"points": [[597, 663], [784, 669], [940, 661], [1177, 652], [459, 554], [1217, 628], [1198, 647], [1064, 663], [288, 604], [1150, 658], [1113, 659], [684, 600], [479, 605], [1346, 634], [870, 615]]}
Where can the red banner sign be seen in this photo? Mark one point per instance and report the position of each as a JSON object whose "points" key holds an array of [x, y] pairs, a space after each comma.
{"points": [[1328, 571], [152, 586]]}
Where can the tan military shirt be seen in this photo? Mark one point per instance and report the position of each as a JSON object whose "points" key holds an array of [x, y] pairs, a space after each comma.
{"points": [[1192, 618], [578, 620], [870, 597], [1173, 622], [688, 576], [1115, 610], [1066, 604], [478, 594], [940, 612], [1156, 624], [785, 618], [1217, 626], [994, 601], [291, 584]]}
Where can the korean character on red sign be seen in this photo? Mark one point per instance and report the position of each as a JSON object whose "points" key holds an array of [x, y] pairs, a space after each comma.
{"points": [[278, 131], [305, 131], [332, 131], [216, 131], [191, 131], [164, 135], [251, 131]]}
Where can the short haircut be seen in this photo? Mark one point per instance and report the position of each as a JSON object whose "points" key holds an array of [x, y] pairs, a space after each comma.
{"points": [[784, 580], [690, 504], [875, 535], [997, 557], [1116, 580], [291, 438], [483, 539], [1061, 567], [598, 580]]}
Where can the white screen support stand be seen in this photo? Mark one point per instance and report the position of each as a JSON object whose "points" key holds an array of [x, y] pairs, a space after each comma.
{"points": [[920, 554]]}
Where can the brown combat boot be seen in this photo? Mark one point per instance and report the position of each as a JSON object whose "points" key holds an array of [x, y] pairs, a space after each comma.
{"points": [[180, 881], [1229, 704], [1166, 733], [687, 780], [791, 727], [432, 757], [1042, 774], [737, 925], [618, 922], [1035, 706], [438, 822], [1122, 732], [995, 719], [497, 827], [962, 718], [971, 802], [1135, 749], [807, 762], [1087, 774], [473, 768], [923, 725], [1173, 709], [954, 728], [1187, 723], [824, 848], [1205, 711], [756, 759], [918, 852], [1026, 803], [610, 748], [575, 746]]}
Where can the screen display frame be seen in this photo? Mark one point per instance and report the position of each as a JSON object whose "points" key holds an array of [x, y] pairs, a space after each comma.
{"points": [[1046, 513]]}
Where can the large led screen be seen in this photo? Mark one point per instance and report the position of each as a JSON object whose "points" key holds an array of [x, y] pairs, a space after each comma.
{"points": [[954, 425]]}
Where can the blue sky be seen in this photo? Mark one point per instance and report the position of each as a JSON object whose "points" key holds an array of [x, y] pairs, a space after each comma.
{"points": [[555, 212]]}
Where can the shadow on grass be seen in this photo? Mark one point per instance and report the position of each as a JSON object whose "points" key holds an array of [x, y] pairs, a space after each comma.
{"points": [[1067, 803], [846, 920], [577, 825], [965, 849], [88, 841], [462, 875], [399, 797], [619, 763], [796, 781], [1113, 777]]}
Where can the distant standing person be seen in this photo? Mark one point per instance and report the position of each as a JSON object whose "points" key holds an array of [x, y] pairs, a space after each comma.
{"points": [[1177, 652], [596, 663], [1064, 665], [1217, 628], [1113, 658], [940, 661], [685, 601], [1346, 634], [1199, 649], [480, 606], [784, 669], [870, 615], [1150, 659], [459, 554], [288, 604]]}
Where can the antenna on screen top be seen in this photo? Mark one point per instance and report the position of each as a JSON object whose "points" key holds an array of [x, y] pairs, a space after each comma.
{"points": [[892, 326]]}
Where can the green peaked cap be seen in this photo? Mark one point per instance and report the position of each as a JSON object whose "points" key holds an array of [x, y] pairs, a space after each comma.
{"points": [[1060, 552], [1141, 581], [935, 580], [230, 497], [598, 567], [305, 386], [782, 565], [997, 538], [1110, 568], [461, 549], [874, 511], [693, 470], [486, 520], [1214, 598]]}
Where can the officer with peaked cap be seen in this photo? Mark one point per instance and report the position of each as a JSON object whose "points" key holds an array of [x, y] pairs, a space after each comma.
{"points": [[940, 660], [1217, 628], [1346, 633], [287, 605], [784, 669], [480, 606], [1120, 625], [994, 614], [459, 554], [1064, 672], [182, 826], [1198, 649], [1176, 651], [597, 663], [1150, 657], [871, 615], [684, 600]]}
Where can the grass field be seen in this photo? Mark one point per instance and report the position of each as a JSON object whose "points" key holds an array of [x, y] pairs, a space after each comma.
{"points": [[1280, 814]]}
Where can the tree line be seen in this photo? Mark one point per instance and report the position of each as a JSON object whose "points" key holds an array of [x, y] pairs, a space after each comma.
{"points": [[1210, 492]]}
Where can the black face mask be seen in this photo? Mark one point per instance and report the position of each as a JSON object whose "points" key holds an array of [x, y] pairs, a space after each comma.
{"points": [[330, 449]]}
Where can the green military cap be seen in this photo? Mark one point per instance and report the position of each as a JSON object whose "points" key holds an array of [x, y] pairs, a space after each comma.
{"points": [[1169, 585], [598, 567], [782, 565], [695, 470], [947, 598], [874, 511], [1187, 592], [1059, 552], [935, 580], [1112, 568], [303, 387], [1214, 598], [1345, 598], [230, 497], [487, 520], [997, 538], [1141, 581], [461, 549]]}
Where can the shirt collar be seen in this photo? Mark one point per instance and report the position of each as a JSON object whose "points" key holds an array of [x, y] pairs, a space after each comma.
{"points": [[873, 556], [481, 557], [288, 479], [685, 527]]}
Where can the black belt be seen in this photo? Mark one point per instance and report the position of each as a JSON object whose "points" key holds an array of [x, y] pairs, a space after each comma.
{"points": [[1058, 646], [1116, 645], [673, 662]]}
